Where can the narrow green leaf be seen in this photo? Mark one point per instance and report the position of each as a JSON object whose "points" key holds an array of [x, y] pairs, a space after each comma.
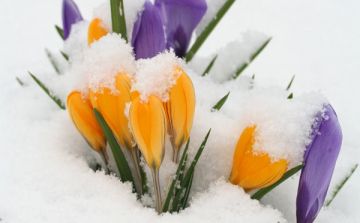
{"points": [[64, 55], [52, 61], [222, 101], [341, 185], [262, 192], [185, 199], [118, 18], [55, 99], [189, 172], [207, 71], [120, 160], [143, 178], [171, 190], [19, 81], [60, 31], [181, 174], [289, 86], [244, 66], [253, 77], [290, 96], [209, 28]]}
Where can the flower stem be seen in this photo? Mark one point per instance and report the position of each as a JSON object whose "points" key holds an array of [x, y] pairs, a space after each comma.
{"points": [[105, 158], [155, 175], [135, 157], [175, 157]]}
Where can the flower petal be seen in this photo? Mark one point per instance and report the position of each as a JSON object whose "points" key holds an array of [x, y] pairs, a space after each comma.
{"points": [[70, 16], [320, 160], [148, 38], [180, 18]]}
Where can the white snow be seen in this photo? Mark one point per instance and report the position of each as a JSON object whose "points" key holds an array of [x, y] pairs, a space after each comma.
{"points": [[44, 162]]}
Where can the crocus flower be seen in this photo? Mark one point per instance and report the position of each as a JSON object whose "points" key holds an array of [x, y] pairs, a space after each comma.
{"points": [[83, 117], [148, 125], [96, 31], [112, 108], [70, 16], [180, 109], [254, 171], [179, 17], [320, 158]]}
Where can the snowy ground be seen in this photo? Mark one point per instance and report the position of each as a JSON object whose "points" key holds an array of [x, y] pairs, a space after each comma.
{"points": [[39, 182]]}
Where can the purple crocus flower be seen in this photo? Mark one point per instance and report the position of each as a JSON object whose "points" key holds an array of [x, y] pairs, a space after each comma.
{"points": [[320, 158], [70, 16], [179, 17]]}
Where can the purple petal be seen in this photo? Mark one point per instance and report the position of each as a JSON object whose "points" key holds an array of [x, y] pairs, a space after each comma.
{"points": [[320, 160], [70, 16], [180, 18], [148, 37]]}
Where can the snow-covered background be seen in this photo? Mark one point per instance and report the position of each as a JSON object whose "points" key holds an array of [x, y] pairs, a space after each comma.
{"points": [[39, 182]]}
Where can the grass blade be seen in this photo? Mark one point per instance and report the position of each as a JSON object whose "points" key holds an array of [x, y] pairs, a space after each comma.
{"points": [[19, 81], [222, 101], [189, 172], [65, 56], [290, 96], [143, 177], [60, 31], [262, 192], [207, 71], [209, 28], [341, 185], [117, 18], [52, 61], [120, 160], [289, 86], [244, 66], [55, 99], [184, 200], [171, 190]]}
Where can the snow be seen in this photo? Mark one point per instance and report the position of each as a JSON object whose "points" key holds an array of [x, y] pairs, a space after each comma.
{"points": [[44, 166]]}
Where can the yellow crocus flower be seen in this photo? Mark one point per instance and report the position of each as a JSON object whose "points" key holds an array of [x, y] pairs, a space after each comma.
{"points": [[96, 31], [83, 117], [180, 109], [148, 125], [254, 171]]}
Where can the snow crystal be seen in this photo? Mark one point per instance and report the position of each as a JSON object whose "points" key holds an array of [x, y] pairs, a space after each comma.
{"points": [[157, 75], [101, 62]]}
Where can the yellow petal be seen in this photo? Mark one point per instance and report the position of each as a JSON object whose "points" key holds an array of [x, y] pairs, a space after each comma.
{"points": [[83, 117], [252, 171], [148, 125], [112, 108], [180, 110], [96, 31]]}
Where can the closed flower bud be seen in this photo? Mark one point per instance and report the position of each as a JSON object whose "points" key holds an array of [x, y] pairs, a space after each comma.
{"points": [[148, 125], [180, 111], [112, 107], [96, 31], [254, 171]]}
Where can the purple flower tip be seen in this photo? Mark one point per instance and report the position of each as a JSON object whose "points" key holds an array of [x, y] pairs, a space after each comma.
{"points": [[70, 16], [320, 159], [148, 37]]}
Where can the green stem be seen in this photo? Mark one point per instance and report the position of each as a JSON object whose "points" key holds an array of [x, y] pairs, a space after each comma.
{"points": [[136, 160], [155, 175], [105, 158], [117, 18]]}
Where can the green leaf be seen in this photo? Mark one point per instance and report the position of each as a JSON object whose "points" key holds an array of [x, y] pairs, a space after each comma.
{"points": [[171, 190], [244, 66], [341, 185], [60, 31], [143, 178], [253, 77], [209, 28], [289, 86], [181, 174], [64, 55], [120, 160], [207, 71], [52, 61], [290, 96], [262, 192], [19, 81], [55, 99], [222, 101], [184, 200], [189, 172], [117, 18]]}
